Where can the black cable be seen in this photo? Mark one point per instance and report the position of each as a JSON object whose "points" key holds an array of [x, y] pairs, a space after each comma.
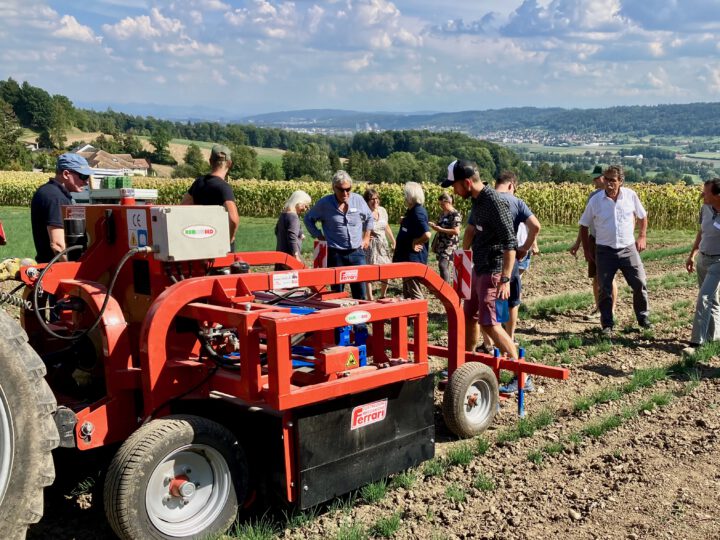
{"points": [[94, 325]]}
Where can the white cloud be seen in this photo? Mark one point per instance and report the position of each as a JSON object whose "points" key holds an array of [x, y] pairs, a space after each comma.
{"points": [[710, 77], [196, 16], [140, 66], [218, 78], [188, 47], [144, 26], [212, 5], [132, 27], [357, 64], [70, 28]]}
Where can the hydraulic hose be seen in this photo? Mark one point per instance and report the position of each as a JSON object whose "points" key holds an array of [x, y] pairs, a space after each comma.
{"points": [[44, 325]]}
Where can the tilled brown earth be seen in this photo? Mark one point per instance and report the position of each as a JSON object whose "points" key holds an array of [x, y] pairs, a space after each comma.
{"points": [[653, 476]]}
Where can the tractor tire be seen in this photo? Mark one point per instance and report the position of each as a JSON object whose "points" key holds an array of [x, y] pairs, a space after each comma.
{"points": [[471, 400], [27, 431], [178, 477]]}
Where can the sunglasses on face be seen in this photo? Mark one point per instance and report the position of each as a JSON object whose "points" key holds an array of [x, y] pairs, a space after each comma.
{"points": [[346, 190], [83, 177]]}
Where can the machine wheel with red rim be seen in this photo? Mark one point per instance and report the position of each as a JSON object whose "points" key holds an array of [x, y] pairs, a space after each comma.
{"points": [[471, 400], [177, 477]]}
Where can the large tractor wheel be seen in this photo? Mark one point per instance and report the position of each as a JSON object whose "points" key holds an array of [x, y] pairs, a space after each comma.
{"points": [[27, 431], [177, 477], [471, 400]]}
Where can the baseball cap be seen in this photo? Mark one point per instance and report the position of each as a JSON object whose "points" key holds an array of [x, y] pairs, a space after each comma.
{"points": [[220, 151], [460, 169], [73, 162]]}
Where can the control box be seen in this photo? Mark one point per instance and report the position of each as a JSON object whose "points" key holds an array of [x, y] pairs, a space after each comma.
{"points": [[185, 233]]}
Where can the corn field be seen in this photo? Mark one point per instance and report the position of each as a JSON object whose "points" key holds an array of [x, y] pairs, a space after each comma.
{"points": [[669, 206]]}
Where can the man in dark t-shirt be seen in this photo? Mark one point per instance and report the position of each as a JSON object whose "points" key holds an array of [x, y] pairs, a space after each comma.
{"points": [[493, 247], [213, 189], [72, 173]]}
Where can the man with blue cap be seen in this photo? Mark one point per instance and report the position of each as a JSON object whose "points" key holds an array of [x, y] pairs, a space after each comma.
{"points": [[72, 174]]}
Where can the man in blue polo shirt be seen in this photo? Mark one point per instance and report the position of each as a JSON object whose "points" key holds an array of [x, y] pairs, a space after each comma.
{"points": [[72, 173], [346, 225]]}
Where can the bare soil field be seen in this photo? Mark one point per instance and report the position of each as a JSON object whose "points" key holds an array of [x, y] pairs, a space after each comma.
{"points": [[628, 447]]}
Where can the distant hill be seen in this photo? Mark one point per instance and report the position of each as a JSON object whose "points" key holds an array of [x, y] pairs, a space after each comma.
{"points": [[697, 119]]}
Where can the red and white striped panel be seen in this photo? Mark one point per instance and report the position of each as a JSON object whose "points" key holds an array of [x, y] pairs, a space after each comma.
{"points": [[462, 279], [320, 254]]}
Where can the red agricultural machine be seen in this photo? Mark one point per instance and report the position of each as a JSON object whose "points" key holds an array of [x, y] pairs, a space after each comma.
{"points": [[222, 382]]}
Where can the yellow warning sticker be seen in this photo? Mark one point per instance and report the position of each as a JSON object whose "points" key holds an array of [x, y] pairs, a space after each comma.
{"points": [[351, 361]]}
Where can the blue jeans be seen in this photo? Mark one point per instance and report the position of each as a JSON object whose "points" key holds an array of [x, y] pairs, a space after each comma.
{"points": [[347, 257], [706, 324]]}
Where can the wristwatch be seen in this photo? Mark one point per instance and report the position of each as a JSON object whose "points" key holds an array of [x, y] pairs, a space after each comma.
{"points": [[504, 279]]}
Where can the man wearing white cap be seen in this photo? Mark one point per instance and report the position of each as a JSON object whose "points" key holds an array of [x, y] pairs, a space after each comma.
{"points": [[493, 246]]}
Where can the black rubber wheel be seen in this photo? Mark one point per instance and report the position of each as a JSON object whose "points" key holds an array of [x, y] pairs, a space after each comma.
{"points": [[27, 431], [176, 477], [471, 400]]}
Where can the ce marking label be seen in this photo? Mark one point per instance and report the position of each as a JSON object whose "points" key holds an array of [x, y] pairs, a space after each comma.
{"points": [[136, 219]]}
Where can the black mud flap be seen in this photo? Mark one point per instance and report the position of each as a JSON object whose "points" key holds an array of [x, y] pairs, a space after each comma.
{"points": [[354, 440]]}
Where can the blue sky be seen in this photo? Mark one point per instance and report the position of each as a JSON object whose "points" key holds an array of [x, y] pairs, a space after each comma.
{"points": [[254, 56]]}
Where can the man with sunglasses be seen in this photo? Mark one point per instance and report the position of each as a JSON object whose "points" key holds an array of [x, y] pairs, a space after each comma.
{"points": [[346, 223], [72, 174]]}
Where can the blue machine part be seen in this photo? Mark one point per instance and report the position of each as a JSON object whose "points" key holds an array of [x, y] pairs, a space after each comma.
{"points": [[299, 310], [302, 350]]}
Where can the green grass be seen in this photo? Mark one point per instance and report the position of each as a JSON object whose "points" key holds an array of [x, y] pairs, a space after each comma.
{"points": [[353, 531], [253, 234], [434, 467], [460, 454], [662, 253], [482, 445], [374, 492], [642, 378], [526, 427], [386, 527], [598, 428], [259, 529], [483, 483], [405, 480], [557, 305], [455, 493]]}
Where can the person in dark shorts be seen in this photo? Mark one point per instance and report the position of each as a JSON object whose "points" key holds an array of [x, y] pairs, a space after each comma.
{"points": [[493, 246], [213, 189], [72, 174]]}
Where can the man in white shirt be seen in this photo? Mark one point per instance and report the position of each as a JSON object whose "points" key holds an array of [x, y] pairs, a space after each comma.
{"points": [[613, 215]]}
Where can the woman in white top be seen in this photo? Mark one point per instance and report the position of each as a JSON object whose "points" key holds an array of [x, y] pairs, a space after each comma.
{"points": [[378, 251]]}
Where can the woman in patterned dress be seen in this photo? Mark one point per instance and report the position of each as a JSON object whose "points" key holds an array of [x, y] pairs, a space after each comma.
{"points": [[378, 252], [447, 234]]}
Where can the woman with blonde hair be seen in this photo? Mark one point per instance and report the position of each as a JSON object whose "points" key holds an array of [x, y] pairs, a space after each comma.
{"points": [[288, 229], [378, 250], [412, 239]]}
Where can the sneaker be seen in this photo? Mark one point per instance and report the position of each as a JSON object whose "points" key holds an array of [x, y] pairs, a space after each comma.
{"points": [[483, 348], [689, 351], [512, 386], [607, 331], [645, 323]]}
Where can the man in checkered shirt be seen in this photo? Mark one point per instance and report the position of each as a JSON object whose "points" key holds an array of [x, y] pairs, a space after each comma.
{"points": [[493, 246]]}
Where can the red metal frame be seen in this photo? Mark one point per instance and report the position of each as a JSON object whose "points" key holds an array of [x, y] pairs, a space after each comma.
{"points": [[148, 364]]}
